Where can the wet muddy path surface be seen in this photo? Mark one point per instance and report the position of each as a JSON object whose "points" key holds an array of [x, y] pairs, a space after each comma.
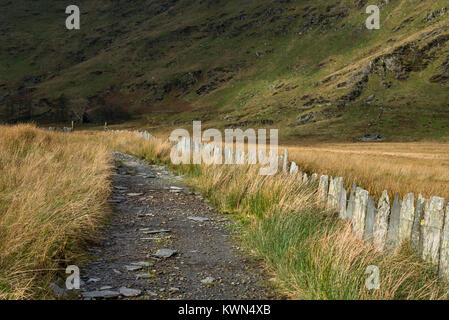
{"points": [[165, 242]]}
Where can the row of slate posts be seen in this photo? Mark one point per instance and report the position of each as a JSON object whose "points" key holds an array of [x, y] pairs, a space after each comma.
{"points": [[425, 223]]}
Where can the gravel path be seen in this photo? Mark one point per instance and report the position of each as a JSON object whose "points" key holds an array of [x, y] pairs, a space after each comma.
{"points": [[165, 242]]}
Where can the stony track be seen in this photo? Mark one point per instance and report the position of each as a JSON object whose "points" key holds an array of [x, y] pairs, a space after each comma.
{"points": [[165, 242]]}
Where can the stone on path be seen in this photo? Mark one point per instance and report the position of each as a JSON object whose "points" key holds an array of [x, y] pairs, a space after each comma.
{"points": [[144, 276], [127, 292], [393, 227], [146, 231], [380, 228], [133, 268], [165, 253], [101, 294], [433, 224], [134, 194], [58, 290], [407, 216], [106, 288], [142, 264], [208, 281], [198, 219]]}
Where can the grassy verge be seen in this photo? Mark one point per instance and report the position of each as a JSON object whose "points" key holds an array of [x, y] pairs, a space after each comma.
{"points": [[53, 191], [311, 254]]}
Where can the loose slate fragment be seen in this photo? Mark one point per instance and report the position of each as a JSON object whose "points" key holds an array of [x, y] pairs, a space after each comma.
{"points": [[134, 194], [208, 281], [146, 231], [101, 294], [165, 253], [198, 219], [127, 292], [142, 264], [133, 268]]}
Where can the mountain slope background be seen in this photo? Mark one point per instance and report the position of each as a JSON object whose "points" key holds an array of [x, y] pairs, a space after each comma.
{"points": [[309, 68]]}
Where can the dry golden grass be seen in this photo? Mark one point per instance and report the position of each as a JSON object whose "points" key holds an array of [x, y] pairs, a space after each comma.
{"points": [[396, 167], [53, 192]]}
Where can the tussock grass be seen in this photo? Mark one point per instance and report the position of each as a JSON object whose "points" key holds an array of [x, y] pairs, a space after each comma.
{"points": [[53, 191], [309, 251]]}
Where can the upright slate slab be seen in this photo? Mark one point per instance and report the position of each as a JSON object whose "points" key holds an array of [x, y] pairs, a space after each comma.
{"points": [[418, 223], [331, 193], [313, 178], [323, 189], [444, 249], [371, 213], [342, 203], [393, 227], [406, 217], [305, 179], [350, 207], [334, 196], [359, 213], [293, 168], [285, 161], [380, 228], [432, 229]]}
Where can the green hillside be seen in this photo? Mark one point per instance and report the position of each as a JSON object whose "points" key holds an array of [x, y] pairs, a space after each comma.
{"points": [[310, 68]]}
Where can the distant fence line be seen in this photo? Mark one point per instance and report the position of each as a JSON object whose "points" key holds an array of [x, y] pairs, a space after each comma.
{"points": [[424, 222]]}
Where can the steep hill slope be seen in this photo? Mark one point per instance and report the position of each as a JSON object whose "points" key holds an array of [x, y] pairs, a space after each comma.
{"points": [[309, 67]]}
